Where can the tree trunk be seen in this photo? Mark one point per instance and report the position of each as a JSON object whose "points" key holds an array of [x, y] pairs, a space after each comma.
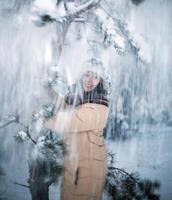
{"points": [[39, 186]]}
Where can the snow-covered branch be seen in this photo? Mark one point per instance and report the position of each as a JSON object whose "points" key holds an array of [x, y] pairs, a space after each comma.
{"points": [[112, 34], [119, 33], [43, 12], [82, 8], [22, 134]]}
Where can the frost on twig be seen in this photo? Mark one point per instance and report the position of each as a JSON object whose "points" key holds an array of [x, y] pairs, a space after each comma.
{"points": [[21, 136]]}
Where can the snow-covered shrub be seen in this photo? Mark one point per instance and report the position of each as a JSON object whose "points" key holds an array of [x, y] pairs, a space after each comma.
{"points": [[121, 185], [45, 163]]}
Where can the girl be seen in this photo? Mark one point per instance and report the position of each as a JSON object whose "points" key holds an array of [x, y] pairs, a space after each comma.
{"points": [[86, 161]]}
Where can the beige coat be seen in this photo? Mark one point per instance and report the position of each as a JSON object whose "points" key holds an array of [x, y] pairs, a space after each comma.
{"points": [[85, 163]]}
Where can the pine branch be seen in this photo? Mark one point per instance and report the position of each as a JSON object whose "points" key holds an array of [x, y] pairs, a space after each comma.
{"points": [[117, 31], [112, 34], [123, 172]]}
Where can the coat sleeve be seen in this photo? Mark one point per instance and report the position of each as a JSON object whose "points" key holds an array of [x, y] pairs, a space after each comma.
{"points": [[84, 118]]}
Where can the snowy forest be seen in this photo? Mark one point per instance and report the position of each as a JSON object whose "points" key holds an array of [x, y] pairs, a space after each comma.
{"points": [[43, 45]]}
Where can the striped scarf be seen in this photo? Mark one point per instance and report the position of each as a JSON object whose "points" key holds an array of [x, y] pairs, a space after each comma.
{"points": [[78, 96]]}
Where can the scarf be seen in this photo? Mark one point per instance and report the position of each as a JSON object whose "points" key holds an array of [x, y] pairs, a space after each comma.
{"points": [[77, 96]]}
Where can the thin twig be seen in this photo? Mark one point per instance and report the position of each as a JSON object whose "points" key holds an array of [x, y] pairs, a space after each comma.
{"points": [[27, 132], [112, 157], [88, 5], [20, 184], [15, 119], [123, 171], [29, 136]]}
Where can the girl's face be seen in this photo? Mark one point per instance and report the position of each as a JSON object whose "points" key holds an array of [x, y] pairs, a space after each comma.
{"points": [[90, 80]]}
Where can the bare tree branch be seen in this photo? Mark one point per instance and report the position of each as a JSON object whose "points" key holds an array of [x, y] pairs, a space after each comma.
{"points": [[20, 184], [27, 132], [29, 136], [80, 9], [7, 120]]}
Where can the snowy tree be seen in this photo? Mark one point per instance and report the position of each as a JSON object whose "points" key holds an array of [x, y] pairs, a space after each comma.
{"points": [[108, 31], [114, 31]]}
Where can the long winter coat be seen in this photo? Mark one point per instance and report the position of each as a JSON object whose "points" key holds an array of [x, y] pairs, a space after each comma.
{"points": [[85, 163]]}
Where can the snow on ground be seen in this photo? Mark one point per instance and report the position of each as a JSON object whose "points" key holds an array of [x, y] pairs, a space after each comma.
{"points": [[149, 154]]}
